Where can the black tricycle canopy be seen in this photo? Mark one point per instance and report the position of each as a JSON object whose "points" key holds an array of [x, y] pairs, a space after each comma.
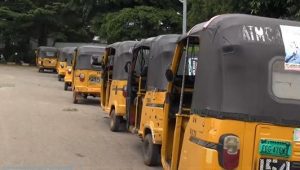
{"points": [[122, 53], [248, 69], [85, 54], [161, 55]]}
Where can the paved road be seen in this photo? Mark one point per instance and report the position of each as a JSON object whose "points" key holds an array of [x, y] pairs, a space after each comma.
{"points": [[40, 128]]}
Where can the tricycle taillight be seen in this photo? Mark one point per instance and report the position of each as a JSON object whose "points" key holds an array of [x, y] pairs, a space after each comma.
{"points": [[69, 71], [81, 77], [229, 151], [125, 91]]}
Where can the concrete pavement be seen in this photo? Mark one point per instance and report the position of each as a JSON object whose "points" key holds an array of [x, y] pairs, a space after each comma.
{"points": [[40, 128]]}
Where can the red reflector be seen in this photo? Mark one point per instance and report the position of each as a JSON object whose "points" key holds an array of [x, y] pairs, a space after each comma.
{"points": [[229, 151], [230, 162], [81, 77]]}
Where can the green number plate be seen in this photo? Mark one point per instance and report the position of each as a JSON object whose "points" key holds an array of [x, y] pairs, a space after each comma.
{"points": [[275, 148]]}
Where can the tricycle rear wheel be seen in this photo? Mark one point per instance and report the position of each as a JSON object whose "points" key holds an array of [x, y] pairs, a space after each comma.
{"points": [[151, 151], [66, 86], [75, 97], [60, 77], [115, 121]]}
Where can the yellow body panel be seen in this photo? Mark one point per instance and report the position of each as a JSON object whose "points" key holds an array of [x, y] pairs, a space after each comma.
{"points": [[87, 86], [61, 68], [46, 63], [69, 75], [169, 125], [116, 98], [195, 156], [106, 83], [105, 95], [187, 138], [152, 115]]}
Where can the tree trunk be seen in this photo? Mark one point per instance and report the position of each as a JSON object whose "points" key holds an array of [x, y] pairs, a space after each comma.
{"points": [[7, 48], [42, 41]]}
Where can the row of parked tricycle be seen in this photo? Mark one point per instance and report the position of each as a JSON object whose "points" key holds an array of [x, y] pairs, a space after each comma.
{"points": [[226, 95]]}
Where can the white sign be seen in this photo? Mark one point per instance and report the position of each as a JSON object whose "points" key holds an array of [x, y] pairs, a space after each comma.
{"points": [[291, 40]]}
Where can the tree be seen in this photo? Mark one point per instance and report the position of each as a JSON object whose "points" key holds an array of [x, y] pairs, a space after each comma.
{"points": [[136, 23], [288, 9], [203, 10], [22, 20], [115, 20]]}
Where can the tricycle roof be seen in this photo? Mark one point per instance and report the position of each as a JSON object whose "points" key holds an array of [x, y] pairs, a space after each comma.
{"points": [[244, 69]]}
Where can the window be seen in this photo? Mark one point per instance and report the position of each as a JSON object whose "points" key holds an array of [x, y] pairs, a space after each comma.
{"points": [[48, 54], [111, 60], [183, 93], [192, 60], [285, 83], [142, 60]]}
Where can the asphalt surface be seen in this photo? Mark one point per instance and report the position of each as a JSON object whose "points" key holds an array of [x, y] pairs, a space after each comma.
{"points": [[41, 129]]}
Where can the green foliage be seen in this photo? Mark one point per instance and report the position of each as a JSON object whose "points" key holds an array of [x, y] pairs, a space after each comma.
{"points": [[276, 8], [139, 22], [23, 20], [116, 20], [202, 10]]}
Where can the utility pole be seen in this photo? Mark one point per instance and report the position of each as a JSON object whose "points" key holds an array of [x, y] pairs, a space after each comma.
{"points": [[184, 15]]}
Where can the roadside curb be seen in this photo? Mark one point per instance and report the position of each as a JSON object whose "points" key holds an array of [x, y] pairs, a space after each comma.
{"points": [[25, 64], [11, 63], [15, 64]]}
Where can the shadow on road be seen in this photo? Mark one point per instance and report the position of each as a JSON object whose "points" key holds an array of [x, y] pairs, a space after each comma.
{"points": [[90, 101], [49, 71]]}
